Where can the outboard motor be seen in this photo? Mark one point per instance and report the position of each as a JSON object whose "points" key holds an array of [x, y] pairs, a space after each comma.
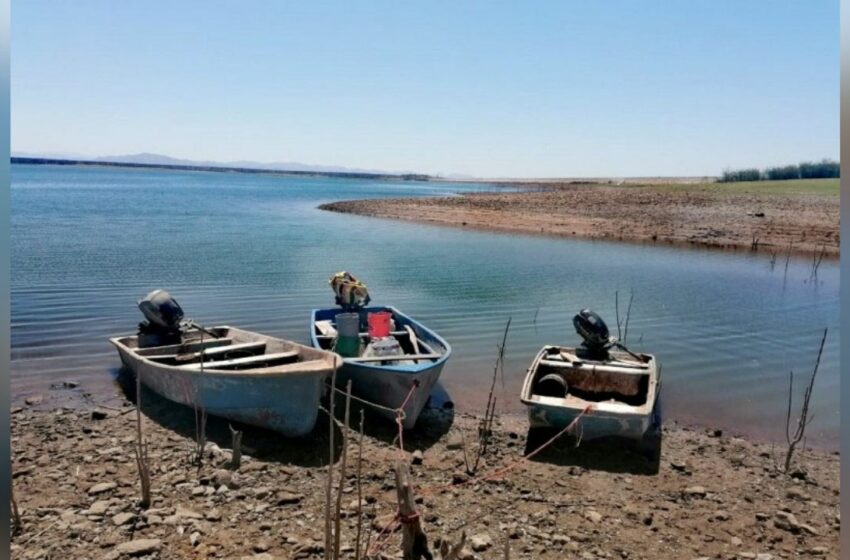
{"points": [[594, 331], [164, 319]]}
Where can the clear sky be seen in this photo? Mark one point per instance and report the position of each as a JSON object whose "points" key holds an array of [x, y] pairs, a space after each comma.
{"points": [[491, 89]]}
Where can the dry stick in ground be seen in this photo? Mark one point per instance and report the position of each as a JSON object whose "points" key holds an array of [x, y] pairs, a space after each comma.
{"points": [[359, 489], [507, 549], [617, 312], [141, 450], [200, 433], [414, 543], [486, 426], [628, 316], [803, 421], [342, 470], [16, 515], [236, 437], [328, 490]]}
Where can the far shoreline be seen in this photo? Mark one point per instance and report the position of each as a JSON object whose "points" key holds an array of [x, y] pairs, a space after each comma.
{"points": [[770, 217]]}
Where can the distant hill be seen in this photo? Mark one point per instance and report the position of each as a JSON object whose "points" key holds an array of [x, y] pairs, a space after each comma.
{"points": [[166, 162], [160, 160]]}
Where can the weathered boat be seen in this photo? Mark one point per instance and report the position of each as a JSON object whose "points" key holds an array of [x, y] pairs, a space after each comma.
{"points": [[387, 380], [233, 373], [621, 387]]}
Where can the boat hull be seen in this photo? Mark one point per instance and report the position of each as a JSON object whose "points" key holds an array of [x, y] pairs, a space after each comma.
{"points": [[595, 424], [287, 402], [391, 386], [390, 389]]}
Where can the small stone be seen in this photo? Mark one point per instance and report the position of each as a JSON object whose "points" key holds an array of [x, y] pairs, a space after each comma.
{"points": [[459, 478], [696, 491], [184, 513], [795, 493], [213, 515], [139, 547], [34, 400], [224, 477], [195, 538], [680, 466], [721, 515], [120, 519], [101, 488], [818, 550], [284, 498], [455, 442], [764, 556], [735, 541], [98, 415], [99, 507], [261, 546], [593, 516], [480, 543], [416, 458]]}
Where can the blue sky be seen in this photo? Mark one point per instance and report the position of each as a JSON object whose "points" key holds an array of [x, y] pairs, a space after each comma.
{"points": [[491, 89]]}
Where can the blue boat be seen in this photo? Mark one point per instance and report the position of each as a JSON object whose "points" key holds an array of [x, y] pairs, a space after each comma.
{"points": [[390, 381]]}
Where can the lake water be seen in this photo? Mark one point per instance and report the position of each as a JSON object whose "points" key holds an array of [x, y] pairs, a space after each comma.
{"points": [[255, 252]]}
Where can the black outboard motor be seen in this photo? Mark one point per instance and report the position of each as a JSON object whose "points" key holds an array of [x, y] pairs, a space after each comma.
{"points": [[594, 331], [164, 319]]}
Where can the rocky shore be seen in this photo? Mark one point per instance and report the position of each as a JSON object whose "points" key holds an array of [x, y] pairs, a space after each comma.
{"points": [[772, 218], [712, 495]]}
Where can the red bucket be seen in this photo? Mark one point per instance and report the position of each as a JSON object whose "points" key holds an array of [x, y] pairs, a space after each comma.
{"points": [[379, 324]]}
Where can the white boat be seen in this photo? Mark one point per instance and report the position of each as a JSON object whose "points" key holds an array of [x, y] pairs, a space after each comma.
{"points": [[233, 373]]}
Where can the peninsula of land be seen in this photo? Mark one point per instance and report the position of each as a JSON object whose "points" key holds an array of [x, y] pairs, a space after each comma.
{"points": [[773, 217]]}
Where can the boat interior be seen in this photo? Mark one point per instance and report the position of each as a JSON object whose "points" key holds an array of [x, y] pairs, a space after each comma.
{"points": [[220, 348], [573, 374], [415, 349]]}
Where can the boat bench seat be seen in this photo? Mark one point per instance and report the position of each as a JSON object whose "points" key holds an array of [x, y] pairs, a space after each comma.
{"points": [[184, 347], [363, 335], [259, 359], [188, 356]]}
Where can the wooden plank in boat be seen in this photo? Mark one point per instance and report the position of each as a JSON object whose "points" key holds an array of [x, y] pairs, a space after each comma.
{"points": [[187, 357], [188, 346], [401, 358], [608, 366], [242, 361], [365, 335]]}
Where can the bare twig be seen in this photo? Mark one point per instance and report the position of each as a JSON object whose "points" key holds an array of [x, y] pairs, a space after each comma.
{"points": [[140, 450], [236, 438], [486, 425], [342, 471], [18, 526], [328, 537], [359, 489], [617, 311], [803, 421], [628, 316]]}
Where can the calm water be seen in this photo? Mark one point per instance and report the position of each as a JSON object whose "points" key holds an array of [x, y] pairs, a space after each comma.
{"points": [[254, 251]]}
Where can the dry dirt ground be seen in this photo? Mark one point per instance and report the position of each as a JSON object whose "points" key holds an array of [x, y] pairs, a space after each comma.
{"points": [[713, 495], [800, 217]]}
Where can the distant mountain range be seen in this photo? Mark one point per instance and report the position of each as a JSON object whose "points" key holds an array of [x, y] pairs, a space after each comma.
{"points": [[159, 159]]}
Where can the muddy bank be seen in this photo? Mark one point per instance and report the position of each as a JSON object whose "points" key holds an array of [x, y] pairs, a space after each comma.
{"points": [[711, 495], [738, 218]]}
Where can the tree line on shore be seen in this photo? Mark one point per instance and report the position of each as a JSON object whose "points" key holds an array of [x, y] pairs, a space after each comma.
{"points": [[825, 169]]}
